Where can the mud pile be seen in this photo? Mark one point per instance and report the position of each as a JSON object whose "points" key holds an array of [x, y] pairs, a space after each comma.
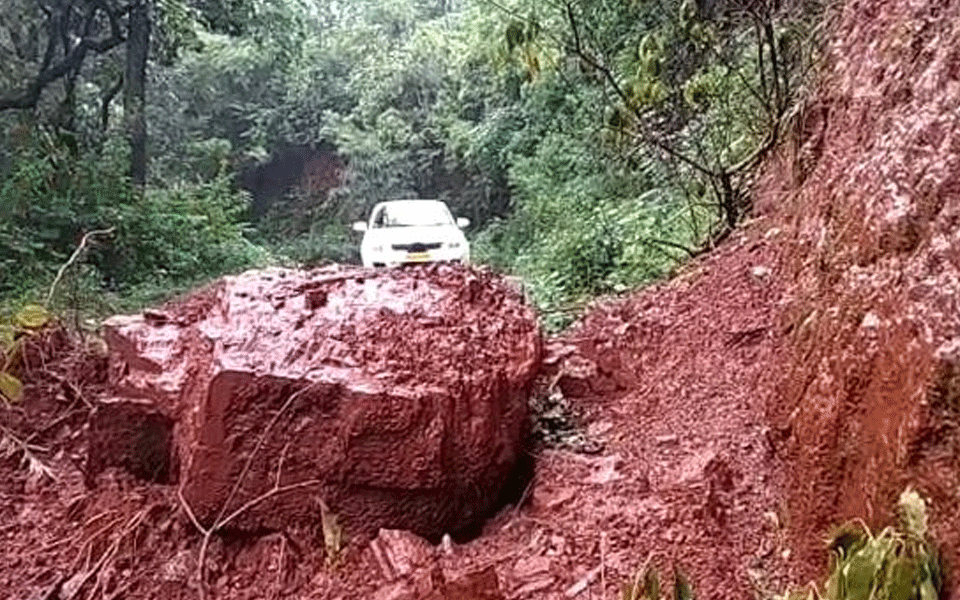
{"points": [[392, 398], [867, 209]]}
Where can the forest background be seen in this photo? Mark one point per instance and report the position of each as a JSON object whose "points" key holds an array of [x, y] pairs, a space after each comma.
{"points": [[594, 144]]}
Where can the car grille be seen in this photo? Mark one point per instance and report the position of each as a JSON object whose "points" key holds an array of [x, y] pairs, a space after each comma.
{"points": [[416, 247]]}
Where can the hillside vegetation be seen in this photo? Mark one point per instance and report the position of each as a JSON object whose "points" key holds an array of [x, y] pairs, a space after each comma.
{"points": [[593, 145]]}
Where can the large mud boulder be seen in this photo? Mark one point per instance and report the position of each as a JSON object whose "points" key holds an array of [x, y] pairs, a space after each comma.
{"points": [[394, 398]]}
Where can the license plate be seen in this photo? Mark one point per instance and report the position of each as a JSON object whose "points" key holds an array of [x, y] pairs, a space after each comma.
{"points": [[418, 256]]}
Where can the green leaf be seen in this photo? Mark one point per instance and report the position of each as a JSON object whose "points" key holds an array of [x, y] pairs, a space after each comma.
{"points": [[32, 316], [681, 587], [859, 575], [10, 387], [902, 578], [651, 584]]}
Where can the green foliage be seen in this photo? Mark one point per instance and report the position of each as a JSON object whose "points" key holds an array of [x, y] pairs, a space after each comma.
{"points": [[585, 221], [184, 232], [15, 331], [586, 143], [899, 563]]}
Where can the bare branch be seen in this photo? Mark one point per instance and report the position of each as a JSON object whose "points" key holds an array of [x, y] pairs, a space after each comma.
{"points": [[73, 58], [73, 258], [107, 99]]}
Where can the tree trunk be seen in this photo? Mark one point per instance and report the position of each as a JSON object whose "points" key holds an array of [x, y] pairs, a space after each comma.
{"points": [[134, 97]]}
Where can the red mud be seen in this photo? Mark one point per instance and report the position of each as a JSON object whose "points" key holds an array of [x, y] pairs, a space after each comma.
{"points": [[869, 221], [800, 375]]}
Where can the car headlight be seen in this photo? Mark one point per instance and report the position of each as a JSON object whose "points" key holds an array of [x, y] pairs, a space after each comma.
{"points": [[377, 249], [453, 245]]}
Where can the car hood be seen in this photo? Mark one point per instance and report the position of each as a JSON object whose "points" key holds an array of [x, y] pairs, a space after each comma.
{"points": [[410, 235]]}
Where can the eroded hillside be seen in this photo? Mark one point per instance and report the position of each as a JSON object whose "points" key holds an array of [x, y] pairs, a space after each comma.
{"points": [[866, 210], [802, 374]]}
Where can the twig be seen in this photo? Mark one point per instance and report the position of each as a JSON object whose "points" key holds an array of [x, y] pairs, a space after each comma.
{"points": [[24, 445], [70, 412], [88, 543], [224, 519], [221, 523], [256, 449], [111, 551], [266, 496], [73, 258], [70, 387]]}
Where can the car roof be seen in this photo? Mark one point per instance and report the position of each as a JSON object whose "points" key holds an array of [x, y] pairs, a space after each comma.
{"points": [[410, 201]]}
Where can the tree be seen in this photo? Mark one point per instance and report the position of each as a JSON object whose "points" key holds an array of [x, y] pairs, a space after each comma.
{"points": [[702, 87], [134, 100], [72, 30]]}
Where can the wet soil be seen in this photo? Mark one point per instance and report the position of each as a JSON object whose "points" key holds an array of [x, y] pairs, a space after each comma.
{"points": [[678, 471], [716, 425]]}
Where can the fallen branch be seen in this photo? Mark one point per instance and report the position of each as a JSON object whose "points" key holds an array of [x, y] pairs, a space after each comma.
{"points": [[220, 524], [223, 519], [73, 258], [108, 554]]}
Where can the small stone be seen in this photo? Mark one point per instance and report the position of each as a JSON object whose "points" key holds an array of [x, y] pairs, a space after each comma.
{"points": [[446, 544], [400, 553], [536, 585], [870, 321], [531, 566], [599, 428], [664, 440]]}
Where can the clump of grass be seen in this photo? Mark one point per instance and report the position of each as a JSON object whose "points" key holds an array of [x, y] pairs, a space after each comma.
{"points": [[646, 585], [899, 563]]}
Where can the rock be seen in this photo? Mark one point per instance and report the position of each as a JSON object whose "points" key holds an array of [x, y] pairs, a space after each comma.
{"points": [[400, 553], [530, 587], [599, 428], [478, 585], [399, 590], [530, 566], [396, 397], [583, 583], [606, 470]]}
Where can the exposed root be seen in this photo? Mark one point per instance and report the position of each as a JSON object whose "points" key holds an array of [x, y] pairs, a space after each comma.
{"points": [[75, 585]]}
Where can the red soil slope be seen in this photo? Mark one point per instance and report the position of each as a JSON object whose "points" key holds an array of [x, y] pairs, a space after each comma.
{"points": [[870, 219], [801, 375]]}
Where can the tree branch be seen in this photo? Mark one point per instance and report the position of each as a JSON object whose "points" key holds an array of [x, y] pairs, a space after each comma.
{"points": [[107, 99], [609, 77], [72, 59]]}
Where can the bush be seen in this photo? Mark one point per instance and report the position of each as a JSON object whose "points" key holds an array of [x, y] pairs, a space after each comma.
{"points": [[182, 233]]}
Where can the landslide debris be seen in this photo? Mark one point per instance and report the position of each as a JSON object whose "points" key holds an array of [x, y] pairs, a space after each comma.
{"points": [[865, 208], [396, 398]]}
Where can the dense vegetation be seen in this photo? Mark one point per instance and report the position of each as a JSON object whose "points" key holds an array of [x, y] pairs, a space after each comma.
{"points": [[593, 144]]}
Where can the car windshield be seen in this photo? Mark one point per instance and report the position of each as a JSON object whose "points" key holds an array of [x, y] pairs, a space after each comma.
{"points": [[412, 214]]}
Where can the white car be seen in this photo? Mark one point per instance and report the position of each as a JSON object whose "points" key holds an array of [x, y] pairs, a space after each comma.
{"points": [[412, 231]]}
